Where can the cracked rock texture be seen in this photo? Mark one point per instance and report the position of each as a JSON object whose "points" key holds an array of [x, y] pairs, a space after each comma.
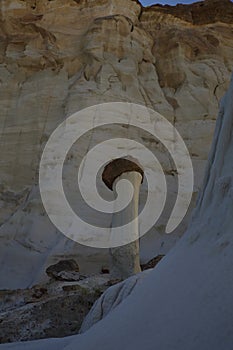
{"points": [[60, 56], [54, 309], [110, 299]]}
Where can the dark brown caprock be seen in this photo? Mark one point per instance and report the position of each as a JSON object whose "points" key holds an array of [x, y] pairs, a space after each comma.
{"points": [[116, 168]]}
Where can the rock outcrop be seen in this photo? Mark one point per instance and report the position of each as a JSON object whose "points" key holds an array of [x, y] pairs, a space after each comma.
{"points": [[186, 302], [58, 57], [51, 310], [64, 270], [110, 299]]}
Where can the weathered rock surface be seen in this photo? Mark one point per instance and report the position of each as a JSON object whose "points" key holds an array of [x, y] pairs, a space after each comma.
{"points": [[152, 263], [110, 299], [115, 294], [64, 270], [57, 57], [186, 302], [56, 309]]}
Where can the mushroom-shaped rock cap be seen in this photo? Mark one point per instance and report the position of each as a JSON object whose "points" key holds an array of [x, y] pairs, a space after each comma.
{"points": [[116, 168]]}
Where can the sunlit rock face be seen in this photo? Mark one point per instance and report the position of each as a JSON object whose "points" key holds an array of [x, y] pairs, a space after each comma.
{"points": [[58, 57]]}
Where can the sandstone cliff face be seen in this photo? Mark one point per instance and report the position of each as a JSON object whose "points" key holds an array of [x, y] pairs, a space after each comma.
{"points": [[58, 57], [188, 303]]}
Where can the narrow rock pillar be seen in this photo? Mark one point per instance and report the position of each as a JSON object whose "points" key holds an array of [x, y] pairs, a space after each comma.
{"points": [[125, 260]]}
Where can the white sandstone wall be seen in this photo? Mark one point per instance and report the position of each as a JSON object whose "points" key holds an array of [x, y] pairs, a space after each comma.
{"points": [[58, 57]]}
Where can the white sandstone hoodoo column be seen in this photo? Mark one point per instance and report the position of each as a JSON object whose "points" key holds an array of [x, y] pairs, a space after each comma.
{"points": [[125, 260]]}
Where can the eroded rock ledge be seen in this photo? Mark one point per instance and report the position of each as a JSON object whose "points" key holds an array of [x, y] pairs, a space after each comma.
{"points": [[198, 13]]}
